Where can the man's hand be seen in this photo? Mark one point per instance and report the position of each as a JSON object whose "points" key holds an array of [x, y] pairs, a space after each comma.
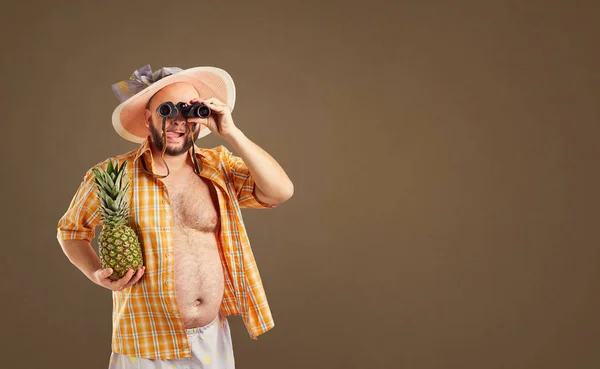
{"points": [[220, 122], [101, 277]]}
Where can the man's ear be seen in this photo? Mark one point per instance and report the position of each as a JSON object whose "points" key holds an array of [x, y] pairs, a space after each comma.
{"points": [[147, 117]]}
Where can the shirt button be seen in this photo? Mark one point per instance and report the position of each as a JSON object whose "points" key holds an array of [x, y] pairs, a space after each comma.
{"points": [[168, 281]]}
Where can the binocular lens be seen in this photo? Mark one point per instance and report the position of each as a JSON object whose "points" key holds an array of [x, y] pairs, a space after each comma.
{"points": [[167, 110], [199, 110], [170, 110]]}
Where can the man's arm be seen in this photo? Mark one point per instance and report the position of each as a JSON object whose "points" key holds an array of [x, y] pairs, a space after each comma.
{"points": [[273, 186], [82, 255]]}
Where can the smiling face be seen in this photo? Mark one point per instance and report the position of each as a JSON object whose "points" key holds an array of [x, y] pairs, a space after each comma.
{"points": [[177, 129]]}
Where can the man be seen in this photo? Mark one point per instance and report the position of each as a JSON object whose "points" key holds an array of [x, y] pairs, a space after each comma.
{"points": [[185, 208]]}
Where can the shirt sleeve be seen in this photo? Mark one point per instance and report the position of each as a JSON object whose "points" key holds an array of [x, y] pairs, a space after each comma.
{"points": [[83, 215], [243, 182]]}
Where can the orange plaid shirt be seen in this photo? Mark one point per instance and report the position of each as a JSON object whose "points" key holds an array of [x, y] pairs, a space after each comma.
{"points": [[146, 319]]}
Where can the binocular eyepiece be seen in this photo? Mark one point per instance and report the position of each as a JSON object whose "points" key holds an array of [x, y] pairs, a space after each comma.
{"points": [[170, 110]]}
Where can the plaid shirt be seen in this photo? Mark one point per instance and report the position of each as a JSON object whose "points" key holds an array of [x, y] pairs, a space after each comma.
{"points": [[146, 319]]}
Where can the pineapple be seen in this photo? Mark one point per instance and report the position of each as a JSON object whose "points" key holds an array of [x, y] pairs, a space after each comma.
{"points": [[118, 245]]}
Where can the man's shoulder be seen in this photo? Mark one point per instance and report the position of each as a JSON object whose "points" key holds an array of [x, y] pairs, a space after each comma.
{"points": [[127, 157], [216, 154], [217, 150]]}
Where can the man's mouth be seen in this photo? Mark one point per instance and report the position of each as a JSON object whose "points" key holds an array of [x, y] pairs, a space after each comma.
{"points": [[175, 134]]}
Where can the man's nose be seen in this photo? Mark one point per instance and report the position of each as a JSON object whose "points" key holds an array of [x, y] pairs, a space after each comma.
{"points": [[179, 119]]}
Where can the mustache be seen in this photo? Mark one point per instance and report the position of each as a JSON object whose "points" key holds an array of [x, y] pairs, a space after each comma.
{"points": [[185, 130]]}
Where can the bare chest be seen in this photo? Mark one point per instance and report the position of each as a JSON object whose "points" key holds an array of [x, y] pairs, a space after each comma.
{"points": [[194, 203]]}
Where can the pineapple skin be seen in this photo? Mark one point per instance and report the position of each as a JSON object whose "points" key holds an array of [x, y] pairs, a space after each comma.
{"points": [[119, 249]]}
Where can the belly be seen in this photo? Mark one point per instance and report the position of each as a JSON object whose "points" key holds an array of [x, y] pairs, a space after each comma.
{"points": [[199, 280]]}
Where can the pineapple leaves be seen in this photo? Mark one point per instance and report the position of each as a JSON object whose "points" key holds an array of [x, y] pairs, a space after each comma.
{"points": [[119, 180], [120, 170], [109, 181], [105, 186], [109, 168], [119, 200], [112, 192]]}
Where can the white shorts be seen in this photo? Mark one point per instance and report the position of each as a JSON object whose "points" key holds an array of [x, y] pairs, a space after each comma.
{"points": [[211, 348]]}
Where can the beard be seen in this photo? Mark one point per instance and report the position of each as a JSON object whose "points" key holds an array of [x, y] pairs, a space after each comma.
{"points": [[173, 149]]}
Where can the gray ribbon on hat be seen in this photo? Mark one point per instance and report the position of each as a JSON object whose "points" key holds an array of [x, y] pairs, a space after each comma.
{"points": [[140, 79]]}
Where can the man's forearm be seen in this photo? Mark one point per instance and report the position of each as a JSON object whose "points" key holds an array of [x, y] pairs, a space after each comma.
{"points": [[272, 183], [82, 255]]}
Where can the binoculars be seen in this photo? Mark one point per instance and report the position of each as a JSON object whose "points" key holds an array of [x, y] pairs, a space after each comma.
{"points": [[170, 110]]}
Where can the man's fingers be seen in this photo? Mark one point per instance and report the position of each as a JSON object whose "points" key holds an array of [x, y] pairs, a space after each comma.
{"points": [[130, 278], [213, 101], [123, 281], [138, 275]]}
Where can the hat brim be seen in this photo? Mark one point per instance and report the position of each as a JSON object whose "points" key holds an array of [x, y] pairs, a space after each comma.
{"points": [[129, 119]]}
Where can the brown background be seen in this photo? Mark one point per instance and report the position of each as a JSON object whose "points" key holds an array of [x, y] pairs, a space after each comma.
{"points": [[444, 156]]}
